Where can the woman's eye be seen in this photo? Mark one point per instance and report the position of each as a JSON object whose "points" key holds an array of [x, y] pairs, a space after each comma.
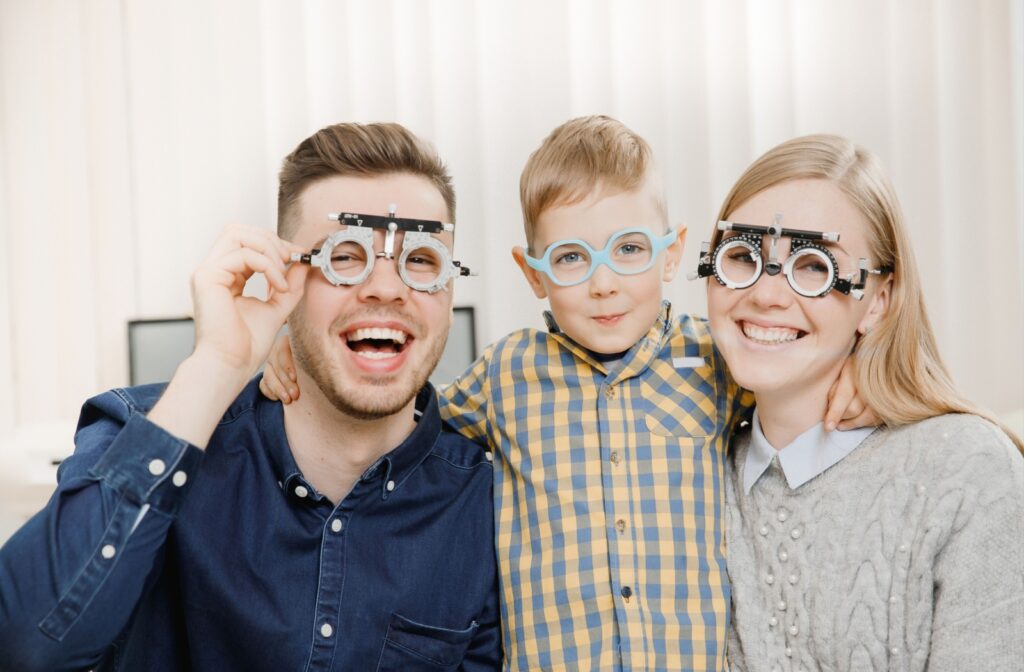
{"points": [[742, 258]]}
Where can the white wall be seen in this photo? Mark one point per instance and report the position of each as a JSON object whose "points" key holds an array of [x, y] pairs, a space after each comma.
{"points": [[131, 131]]}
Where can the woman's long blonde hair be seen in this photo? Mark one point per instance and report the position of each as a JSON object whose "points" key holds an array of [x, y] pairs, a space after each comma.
{"points": [[900, 373]]}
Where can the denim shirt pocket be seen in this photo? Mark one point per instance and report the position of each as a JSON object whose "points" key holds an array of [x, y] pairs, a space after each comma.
{"points": [[411, 647]]}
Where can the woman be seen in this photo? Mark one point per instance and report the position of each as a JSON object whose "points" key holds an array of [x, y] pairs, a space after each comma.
{"points": [[900, 547]]}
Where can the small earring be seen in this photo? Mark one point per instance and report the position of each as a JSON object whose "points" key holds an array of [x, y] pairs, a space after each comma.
{"points": [[864, 331]]}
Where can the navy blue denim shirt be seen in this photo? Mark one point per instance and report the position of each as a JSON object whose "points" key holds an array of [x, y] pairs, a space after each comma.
{"points": [[154, 555]]}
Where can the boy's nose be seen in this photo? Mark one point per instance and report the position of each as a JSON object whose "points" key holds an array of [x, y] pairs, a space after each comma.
{"points": [[604, 281]]}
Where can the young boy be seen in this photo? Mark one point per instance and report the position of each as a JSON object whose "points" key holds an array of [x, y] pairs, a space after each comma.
{"points": [[608, 431]]}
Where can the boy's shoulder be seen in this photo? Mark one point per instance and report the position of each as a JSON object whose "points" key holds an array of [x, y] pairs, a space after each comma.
{"points": [[522, 342], [691, 332], [693, 326]]}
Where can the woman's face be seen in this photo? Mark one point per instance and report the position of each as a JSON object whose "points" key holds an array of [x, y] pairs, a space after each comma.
{"points": [[774, 340]]}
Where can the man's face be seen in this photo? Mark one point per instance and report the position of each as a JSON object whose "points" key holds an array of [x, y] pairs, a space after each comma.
{"points": [[370, 347], [608, 312]]}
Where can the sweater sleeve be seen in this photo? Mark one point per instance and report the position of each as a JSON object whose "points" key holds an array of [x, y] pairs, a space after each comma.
{"points": [[978, 613]]}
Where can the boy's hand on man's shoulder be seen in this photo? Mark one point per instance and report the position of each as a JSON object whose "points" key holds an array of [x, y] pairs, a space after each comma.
{"points": [[279, 382]]}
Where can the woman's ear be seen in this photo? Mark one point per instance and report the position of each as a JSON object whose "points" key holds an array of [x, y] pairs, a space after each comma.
{"points": [[878, 308], [532, 276], [674, 255]]}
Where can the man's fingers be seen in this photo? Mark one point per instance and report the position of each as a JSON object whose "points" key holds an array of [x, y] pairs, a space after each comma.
{"points": [[866, 418], [854, 409], [236, 236]]}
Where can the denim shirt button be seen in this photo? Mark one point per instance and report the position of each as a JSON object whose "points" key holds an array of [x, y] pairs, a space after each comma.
{"points": [[179, 478], [336, 525], [157, 467], [108, 551]]}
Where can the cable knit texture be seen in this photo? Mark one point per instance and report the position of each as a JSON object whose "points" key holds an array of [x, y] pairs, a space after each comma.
{"points": [[906, 555]]}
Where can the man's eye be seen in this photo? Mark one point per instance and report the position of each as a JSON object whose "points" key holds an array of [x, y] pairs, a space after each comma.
{"points": [[421, 261]]}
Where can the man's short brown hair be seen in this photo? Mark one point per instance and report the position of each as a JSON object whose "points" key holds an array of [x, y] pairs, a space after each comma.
{"points": [[579, 156], [360, 150]]}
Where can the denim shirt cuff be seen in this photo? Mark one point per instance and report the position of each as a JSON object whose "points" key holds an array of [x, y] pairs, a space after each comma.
{"points": [[148, 465]]}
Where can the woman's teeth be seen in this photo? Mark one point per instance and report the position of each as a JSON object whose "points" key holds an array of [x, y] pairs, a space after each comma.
{"points": [[769, 335]]}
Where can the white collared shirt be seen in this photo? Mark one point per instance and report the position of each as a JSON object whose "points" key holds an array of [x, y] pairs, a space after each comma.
{"points": [[809, 455]]}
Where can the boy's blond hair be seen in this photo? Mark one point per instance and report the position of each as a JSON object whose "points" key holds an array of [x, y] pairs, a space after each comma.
{"points": [[579, 156]]}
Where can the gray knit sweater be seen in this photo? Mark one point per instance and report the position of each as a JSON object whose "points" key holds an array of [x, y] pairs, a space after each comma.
{"points": [[908, 554]]}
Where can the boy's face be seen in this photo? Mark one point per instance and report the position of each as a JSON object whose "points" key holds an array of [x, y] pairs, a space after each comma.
{"points": [[608, 312]]}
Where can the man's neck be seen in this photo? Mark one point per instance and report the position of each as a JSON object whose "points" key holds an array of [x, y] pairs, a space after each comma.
{"points": [[332, 449]]}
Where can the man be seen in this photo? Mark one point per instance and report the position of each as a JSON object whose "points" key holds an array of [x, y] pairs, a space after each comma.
{"points": [[203, 527]]}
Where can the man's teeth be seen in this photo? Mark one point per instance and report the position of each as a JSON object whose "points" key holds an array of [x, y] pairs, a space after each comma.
{"points": [[769, 335], [376, 354], [379, 334]]}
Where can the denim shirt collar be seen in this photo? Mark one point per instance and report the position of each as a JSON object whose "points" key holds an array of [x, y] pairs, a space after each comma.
{"points": [[393, 468], [808, 456]]}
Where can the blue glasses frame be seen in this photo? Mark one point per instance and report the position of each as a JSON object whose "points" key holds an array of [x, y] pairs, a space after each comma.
{"points": [[602, 256]]}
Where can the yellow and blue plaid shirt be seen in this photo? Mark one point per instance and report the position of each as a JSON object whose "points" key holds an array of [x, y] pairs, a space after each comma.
{"points": [[608, 496]]}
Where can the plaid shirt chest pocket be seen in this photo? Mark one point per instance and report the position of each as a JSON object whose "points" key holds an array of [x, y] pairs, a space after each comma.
{"points": [[680, 402]]}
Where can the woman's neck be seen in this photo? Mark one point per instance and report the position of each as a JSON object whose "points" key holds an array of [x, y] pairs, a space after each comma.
{"points": [[785, 414]]}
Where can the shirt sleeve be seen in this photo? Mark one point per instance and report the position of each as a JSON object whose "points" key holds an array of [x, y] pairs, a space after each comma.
{"points": [[464, 404], [71, 577], [979, 572]]}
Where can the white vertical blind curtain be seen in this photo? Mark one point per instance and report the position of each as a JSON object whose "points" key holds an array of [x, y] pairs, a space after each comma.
{"points": [[131, 131]]}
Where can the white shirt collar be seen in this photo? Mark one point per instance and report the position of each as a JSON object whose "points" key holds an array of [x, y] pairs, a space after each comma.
{"points": [[809, 455]]}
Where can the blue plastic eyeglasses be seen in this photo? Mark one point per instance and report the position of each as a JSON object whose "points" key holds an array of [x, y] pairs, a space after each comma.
{"points": [[628, 252]]}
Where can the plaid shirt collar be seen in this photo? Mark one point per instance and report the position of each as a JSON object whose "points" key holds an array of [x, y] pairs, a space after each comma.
{"points": [[636, 359]]}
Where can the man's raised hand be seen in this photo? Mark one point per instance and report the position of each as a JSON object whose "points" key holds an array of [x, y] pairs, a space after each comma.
{"points": [[233, 332]]}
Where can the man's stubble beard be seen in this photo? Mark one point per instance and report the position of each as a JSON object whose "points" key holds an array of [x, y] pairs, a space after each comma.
{"points": [[350, 397]]}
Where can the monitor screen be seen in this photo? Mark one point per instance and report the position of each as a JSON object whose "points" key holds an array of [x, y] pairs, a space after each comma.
{"points": [[156, 347], [460, 351]]}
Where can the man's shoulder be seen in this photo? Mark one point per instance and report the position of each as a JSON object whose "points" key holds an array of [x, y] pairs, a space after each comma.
{"points": [[458, 452], [120, 403]]}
